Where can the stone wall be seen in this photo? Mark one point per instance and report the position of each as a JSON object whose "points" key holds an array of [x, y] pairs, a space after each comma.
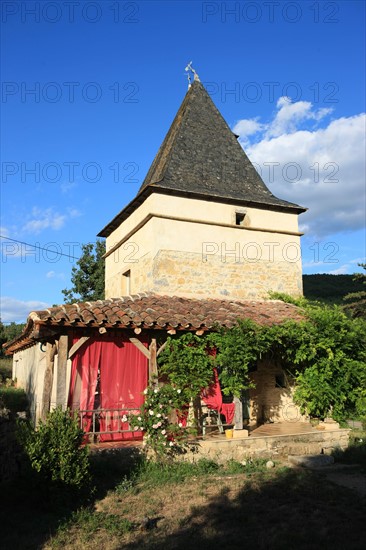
{"points": [[322, 442], [173, 272], [269, 402]]}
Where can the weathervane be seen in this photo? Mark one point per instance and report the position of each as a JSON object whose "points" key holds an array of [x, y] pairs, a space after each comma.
{"points": [[190, 70]]}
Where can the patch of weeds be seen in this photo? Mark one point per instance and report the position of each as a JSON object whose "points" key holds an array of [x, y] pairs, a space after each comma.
{"points": [[127, 484], [254, 465], [234, 467], [87, 522], [155, 474]]}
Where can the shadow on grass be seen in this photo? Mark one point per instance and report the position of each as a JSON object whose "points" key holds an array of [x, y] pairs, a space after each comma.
{"points": [[32, 512], [294, 510], [355, 452]]}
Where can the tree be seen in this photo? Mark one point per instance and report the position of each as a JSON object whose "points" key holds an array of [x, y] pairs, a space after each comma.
{"points": [[9, 332], [88, 277], [357, 300]]}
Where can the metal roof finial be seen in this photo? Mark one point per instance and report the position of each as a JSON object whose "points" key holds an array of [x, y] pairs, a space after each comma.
{"points": [[190, 70]]}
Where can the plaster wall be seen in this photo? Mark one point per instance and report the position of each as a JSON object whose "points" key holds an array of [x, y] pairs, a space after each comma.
{"points": [[189, 258], [29, 367]]}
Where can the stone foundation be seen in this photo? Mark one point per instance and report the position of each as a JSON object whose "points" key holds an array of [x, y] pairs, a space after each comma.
{"points": [[222, 450]]}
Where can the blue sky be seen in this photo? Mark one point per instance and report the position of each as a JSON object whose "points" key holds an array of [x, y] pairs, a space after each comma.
{"points": [[89, 90]]}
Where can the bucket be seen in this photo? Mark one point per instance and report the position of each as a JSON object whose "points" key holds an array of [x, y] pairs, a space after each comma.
{"points": [[229, 434]]}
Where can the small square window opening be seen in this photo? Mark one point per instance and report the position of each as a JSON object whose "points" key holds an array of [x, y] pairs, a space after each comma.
{"points": [[239, 218]]}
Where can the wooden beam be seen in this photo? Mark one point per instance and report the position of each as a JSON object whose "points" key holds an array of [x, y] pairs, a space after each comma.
{"points": [[153, 365], [48, 380], [238, 419], [140, 346], [78, 345], [63, 348], [161, 348]]}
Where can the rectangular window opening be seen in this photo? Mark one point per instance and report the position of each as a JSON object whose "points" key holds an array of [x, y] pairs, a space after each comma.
{"points": [[281, 381], [126, 283]]}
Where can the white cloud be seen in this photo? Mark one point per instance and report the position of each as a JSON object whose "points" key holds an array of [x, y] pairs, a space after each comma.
{"points": [[247, 127], [322, 169], [67, 186], [48, 218], [13, 310], [54, 275], [290, 115], [342, 270], [4, 232], [74, 212], [44, 219]]}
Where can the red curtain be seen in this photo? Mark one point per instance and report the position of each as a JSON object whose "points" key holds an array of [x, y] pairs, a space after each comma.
{"points": [[123, 378], [84, 374], [213, 399]]}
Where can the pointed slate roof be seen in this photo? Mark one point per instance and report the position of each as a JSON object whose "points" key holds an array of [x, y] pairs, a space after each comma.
{"points": [[201, 157]]}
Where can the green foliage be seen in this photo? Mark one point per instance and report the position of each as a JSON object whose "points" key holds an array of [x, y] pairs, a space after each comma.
{"points": [[14, 399], [8, 333], [157, 420], [88, 277], [326, 354], [54, 450], [238, 350], [6, 368], [186, 364], [356, 301]]}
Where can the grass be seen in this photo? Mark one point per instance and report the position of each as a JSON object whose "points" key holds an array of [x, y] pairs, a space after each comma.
{"points": [[145, 505], [14, 399], [6, 368]]}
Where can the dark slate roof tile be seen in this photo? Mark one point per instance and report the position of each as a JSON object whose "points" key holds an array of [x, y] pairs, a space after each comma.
{"points": [[201, 156]]}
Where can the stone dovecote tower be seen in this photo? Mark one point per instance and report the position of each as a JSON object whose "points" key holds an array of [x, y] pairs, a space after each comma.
{"points": [[203, 223]]}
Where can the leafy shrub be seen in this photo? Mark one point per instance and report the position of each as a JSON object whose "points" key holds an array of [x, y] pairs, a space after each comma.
{"points": [[54, 450]]}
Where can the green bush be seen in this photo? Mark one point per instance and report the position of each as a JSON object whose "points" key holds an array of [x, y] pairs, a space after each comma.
{"points": [[54, 450]]}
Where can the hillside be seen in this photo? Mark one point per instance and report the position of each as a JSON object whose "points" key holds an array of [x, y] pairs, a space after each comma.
{"points": [[330, 288]]}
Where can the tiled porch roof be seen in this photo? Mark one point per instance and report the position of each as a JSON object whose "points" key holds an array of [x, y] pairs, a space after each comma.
{"points": [[151, 311]]}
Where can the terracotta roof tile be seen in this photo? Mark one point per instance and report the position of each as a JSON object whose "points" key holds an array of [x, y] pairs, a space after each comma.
{"points": [[164, 312]]}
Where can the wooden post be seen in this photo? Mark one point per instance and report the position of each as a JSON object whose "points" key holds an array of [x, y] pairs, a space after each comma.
{"points": [[153, 365], [63, 348], [238, 414], [48, 380]]}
